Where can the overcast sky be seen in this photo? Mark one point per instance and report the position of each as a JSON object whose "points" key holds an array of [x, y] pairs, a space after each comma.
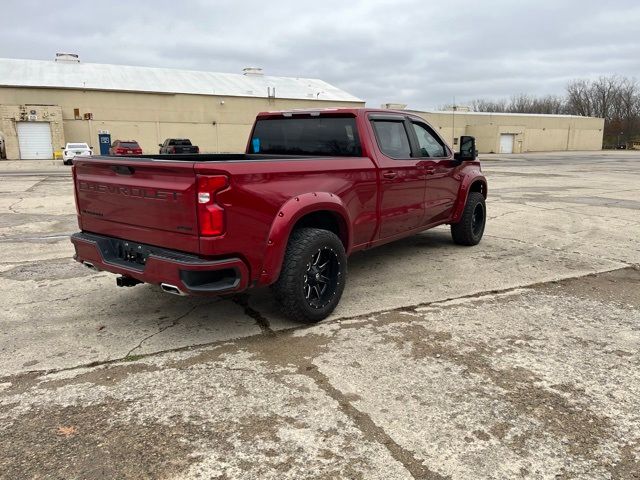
{"points": [[418, 52]]}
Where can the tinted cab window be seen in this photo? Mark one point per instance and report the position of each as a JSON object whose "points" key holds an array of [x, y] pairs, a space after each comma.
{"points": [[333, 136], [392, 138]]}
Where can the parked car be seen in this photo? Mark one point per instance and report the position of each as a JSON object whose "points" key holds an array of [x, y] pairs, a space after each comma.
{"points": [[125, 147], [178, 146], [312, 188], [70, 150]]}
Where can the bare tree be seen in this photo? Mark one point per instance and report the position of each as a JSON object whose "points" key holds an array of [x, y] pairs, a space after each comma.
{"points": [[481, 105], [614, 98], [579, 101]]}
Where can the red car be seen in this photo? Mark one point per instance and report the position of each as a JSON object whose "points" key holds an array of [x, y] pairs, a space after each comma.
{"points": [[121, 148], [314, 187]]}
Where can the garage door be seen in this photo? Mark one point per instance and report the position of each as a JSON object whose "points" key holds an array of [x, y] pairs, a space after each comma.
{"points": [[34, 139], [506, 143]]}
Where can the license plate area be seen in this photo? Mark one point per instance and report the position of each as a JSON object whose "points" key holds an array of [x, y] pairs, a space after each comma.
{"points": [[125, 253], [130, 252]]}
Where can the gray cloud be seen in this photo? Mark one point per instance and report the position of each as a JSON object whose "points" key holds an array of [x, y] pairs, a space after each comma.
{"points": [[410, 51]]}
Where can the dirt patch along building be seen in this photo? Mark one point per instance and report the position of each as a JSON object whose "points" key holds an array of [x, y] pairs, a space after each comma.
{"points": [[44, 104], [518, 132]]}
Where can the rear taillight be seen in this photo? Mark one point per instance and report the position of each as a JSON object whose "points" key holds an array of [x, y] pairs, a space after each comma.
{"points": [[119, 151], [197, 149], [75, 191], [210, 214]]}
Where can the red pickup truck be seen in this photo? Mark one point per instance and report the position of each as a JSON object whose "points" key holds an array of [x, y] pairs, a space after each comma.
{"points": [[313, 187]]}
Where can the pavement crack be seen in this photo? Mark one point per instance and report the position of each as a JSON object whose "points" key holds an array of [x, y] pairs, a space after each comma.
{"points": [[242, 300], [370, 429], [14, 204], [338, 320], [558, 250], [36, 185], [161, 329]]}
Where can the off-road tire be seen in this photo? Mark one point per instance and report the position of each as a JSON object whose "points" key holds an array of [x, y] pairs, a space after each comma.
{"points": [[468, 231], [290, 290]]}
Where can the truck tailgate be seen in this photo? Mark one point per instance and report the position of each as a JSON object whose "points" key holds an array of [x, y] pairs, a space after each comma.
{"points": [[141, 200]]}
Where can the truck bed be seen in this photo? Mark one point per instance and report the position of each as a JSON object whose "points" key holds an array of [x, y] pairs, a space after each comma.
{"points": [[205, 157]]}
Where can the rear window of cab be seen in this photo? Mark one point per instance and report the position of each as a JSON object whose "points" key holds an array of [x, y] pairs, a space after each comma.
{"points": [[317, 136]]}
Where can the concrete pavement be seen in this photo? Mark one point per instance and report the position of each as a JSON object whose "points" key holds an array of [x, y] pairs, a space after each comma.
{"points": [[513, 359]]}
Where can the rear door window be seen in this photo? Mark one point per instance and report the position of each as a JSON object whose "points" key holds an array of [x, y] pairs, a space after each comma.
{"points": [[317, 136], [392, 138]]}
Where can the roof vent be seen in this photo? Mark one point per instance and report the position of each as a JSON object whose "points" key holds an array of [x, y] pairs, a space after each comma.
{"points": [[67, 58], [394, 106], [252, 71]]}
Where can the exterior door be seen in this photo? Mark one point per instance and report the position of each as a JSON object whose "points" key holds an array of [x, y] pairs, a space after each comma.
{"points": [[402, 180], [441, 188], [506, 143], [34, 140]]}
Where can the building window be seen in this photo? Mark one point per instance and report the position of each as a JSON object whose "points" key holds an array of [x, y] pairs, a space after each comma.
{"points": [[455, 140], [76, 114]]}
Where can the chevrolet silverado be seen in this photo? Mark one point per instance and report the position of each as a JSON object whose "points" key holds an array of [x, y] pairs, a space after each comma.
{"points": [[312, 188]]}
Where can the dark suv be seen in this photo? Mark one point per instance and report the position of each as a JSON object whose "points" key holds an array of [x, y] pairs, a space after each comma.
{"points": [[125, 148]]}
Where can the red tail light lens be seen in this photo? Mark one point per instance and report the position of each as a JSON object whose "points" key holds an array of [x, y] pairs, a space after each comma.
{"points": [[210, 214]]}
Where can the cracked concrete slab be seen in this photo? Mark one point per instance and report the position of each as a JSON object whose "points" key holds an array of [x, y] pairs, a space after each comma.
{"points": [[514, 359], [552, 244], [540, 383]]}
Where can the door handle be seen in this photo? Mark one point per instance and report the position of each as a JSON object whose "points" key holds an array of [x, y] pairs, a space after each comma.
{"points": [[430, 170], [390, 174]]}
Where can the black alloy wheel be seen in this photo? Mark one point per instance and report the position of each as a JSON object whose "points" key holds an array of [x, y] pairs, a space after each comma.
{"points": [[322, 277], [470, 228], [477, 220], [313, 275]]}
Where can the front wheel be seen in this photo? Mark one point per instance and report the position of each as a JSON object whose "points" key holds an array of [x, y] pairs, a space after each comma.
{"points": [[313, 275], [469, 230]]}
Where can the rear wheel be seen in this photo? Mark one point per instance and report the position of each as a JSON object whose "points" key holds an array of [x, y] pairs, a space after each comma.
{"points": [[469, 230], [313, 275]]}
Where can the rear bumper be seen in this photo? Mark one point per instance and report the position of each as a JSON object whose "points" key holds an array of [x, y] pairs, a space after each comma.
{"points": [[189, 273]]}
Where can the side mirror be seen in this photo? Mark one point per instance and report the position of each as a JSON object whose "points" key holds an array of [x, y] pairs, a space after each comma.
{"points": [[160, 145], [90, 148], [468, 149]]}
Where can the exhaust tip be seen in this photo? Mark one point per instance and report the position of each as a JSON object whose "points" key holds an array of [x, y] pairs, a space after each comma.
{"points": [[171, 289]]}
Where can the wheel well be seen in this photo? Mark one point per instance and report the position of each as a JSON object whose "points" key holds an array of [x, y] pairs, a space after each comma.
{"points": [[479, 186], [326, 220]]}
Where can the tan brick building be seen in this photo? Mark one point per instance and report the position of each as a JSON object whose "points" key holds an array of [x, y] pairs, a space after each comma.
{"points": [[44, 104], [517, 132]]}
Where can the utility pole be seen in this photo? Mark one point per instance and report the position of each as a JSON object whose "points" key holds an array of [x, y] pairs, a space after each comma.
{"points": [[453, 124]]}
